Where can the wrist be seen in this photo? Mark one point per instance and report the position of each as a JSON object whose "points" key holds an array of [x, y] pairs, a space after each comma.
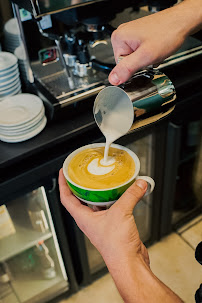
{"points": [[136, 282], [121, 254], [190, 13], [121, 261]]}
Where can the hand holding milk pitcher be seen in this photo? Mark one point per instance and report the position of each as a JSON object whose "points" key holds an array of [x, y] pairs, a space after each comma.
{"points": [[100, 173]]}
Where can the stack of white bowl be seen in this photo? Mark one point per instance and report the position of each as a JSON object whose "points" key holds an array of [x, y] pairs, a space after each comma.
{"points": [[22, 62], [12, 37], [21, 118], [10, 83]]}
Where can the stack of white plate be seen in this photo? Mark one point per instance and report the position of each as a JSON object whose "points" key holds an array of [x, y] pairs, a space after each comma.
{"points": [[11, 35], [21, 118], [22, 62], [10, 83]]}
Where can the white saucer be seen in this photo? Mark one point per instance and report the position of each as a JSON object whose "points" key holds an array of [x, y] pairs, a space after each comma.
{"points": [[22, 131], [12, 27], [9, 130], [20, 53], [10, 91], [9, 77], [97, 203], [31, 134], [16, 84], [16, 92], [7, 60], [19, 109], [8, 71], [11, 82], [11, 37]]}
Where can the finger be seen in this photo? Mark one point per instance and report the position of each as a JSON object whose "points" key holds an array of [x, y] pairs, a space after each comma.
{"points": [[121, 50], [130, 64], [70, 202], [132, 196], [120, 45]]}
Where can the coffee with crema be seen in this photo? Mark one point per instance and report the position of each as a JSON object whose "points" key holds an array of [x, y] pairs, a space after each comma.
{"points": [[87, 168]]}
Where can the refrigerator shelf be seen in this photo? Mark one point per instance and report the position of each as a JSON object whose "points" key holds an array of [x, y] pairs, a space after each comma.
{"points": [[33, 288], [30, 255], [24, 238]]}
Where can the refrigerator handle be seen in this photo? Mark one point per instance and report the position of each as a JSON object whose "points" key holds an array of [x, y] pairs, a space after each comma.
{"points": [[82, 277], [169, 183], [51, 190]]}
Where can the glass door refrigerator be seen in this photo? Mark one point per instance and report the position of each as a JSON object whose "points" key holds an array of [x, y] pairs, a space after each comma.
{"points": [[182, 198], [32, 268]]}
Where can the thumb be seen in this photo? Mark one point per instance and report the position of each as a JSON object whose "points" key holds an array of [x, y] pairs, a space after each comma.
{"points": [[130, 64], [132, 196]]}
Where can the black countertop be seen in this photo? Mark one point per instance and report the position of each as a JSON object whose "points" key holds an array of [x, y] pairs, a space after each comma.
{"points": [[53, 134]]}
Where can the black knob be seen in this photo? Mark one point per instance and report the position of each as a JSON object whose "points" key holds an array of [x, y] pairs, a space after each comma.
{"points": [[198, 253], [198, 295]]}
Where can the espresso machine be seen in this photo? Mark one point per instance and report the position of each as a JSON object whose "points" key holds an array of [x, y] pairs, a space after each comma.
{"points": [[67, 45]]}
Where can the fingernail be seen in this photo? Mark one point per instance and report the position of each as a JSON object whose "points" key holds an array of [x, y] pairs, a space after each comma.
{"points": [[114, 78], [142, 184]]}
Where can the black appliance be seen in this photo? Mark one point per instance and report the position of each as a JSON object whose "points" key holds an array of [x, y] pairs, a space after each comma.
{"points": [[69, 53]]}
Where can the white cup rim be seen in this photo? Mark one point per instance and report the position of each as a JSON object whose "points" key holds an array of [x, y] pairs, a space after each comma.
{"points": [[93, 145]]}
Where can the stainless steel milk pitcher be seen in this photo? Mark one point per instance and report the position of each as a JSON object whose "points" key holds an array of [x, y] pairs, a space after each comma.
{"points": [[151, 93]]}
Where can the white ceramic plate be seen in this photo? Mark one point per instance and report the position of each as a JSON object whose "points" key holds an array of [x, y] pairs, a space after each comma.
{"points": [[11, 35], [12, 27], [9, 77], [7, 60], [15, 84], [12, 45], [12, 40], [20, 128], [19, 109], [31, 134], [17, 91], [9, 70], [9, 91], [20, 53], [9, 82], [10, 49], [22, 131]]}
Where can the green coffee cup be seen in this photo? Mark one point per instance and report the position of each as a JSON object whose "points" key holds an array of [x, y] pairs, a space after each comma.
{"points": [[102, 197]]}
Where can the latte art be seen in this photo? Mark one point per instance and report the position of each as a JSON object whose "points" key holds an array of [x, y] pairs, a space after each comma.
{"points": [[96, 168], [88, 169]]}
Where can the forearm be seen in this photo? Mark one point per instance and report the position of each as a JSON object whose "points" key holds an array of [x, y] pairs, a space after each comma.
{"points": [[189, 15], [137, 284], [185, 17]]}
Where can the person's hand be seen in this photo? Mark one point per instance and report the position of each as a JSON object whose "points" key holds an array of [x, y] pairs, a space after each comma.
{"points": [[149, 40], [112, 231]]}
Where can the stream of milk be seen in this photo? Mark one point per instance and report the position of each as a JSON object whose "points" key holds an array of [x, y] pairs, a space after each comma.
{"points": [[114, 126], [114, 115]]}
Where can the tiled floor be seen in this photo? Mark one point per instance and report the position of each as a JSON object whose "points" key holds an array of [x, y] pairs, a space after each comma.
{"points": [[172, 261]]}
